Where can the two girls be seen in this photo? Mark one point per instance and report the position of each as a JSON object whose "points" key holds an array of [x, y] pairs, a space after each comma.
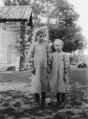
{"points": [[59, 72]]}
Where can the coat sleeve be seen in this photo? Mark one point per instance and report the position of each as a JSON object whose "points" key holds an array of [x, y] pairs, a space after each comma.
{"points": [[31, 51], [51, 60], [66, 68], [66, 63]]}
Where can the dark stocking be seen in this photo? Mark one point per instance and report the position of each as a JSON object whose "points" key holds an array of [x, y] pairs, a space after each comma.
{"points": [[43, 96], [58, 99], [62, 97], [37, 98]]}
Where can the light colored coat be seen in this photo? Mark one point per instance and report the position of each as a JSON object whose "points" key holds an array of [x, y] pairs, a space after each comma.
{"points": [[59, 73], [39, 80]]}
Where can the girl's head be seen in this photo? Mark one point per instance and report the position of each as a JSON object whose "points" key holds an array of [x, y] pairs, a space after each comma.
{"points": [[58, 45], [40, 36]]}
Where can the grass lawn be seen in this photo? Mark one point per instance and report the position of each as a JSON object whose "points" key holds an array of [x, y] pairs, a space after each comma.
{"points": [[17, 102]]}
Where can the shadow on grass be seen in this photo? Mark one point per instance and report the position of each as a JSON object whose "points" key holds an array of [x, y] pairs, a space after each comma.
{"points": [[19, 105]]}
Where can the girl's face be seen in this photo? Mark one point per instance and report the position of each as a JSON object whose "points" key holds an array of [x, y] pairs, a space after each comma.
{"points": [[40, 38], [58, 47]]}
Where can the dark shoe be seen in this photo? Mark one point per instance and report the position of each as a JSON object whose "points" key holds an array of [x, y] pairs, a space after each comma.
{"points": [[62, 101], [37, 98], [43, 96], [57, 104], [62, 97]]}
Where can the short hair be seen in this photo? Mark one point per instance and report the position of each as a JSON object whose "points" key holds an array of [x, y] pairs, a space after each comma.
{"points": [[40, 33], [59, 41]]}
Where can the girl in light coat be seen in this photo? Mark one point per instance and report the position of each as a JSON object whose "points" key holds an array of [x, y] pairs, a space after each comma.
{"points": [[59, 73], [40, 84]]}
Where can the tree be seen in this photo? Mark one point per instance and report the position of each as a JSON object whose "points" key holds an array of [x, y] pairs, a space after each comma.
{"points": [[65, 28]]}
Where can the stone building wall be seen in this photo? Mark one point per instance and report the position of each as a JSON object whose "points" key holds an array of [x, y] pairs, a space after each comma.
{"points": [[9, 47]]}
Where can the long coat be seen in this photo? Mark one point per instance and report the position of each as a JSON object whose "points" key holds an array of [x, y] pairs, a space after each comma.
{"points": [[39, 81], [59, 73]]}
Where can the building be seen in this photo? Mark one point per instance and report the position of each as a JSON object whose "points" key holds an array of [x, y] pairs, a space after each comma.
{"points": [[12, 35]]}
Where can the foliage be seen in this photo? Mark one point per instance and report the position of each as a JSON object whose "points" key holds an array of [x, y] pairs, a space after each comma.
{"points": [[65, 28]]}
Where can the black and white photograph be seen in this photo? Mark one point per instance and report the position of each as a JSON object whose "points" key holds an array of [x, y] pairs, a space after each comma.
{"points": [[43, 59]]}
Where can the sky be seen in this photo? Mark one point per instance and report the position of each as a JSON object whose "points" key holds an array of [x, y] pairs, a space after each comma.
{"points": [[1, 2]]}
